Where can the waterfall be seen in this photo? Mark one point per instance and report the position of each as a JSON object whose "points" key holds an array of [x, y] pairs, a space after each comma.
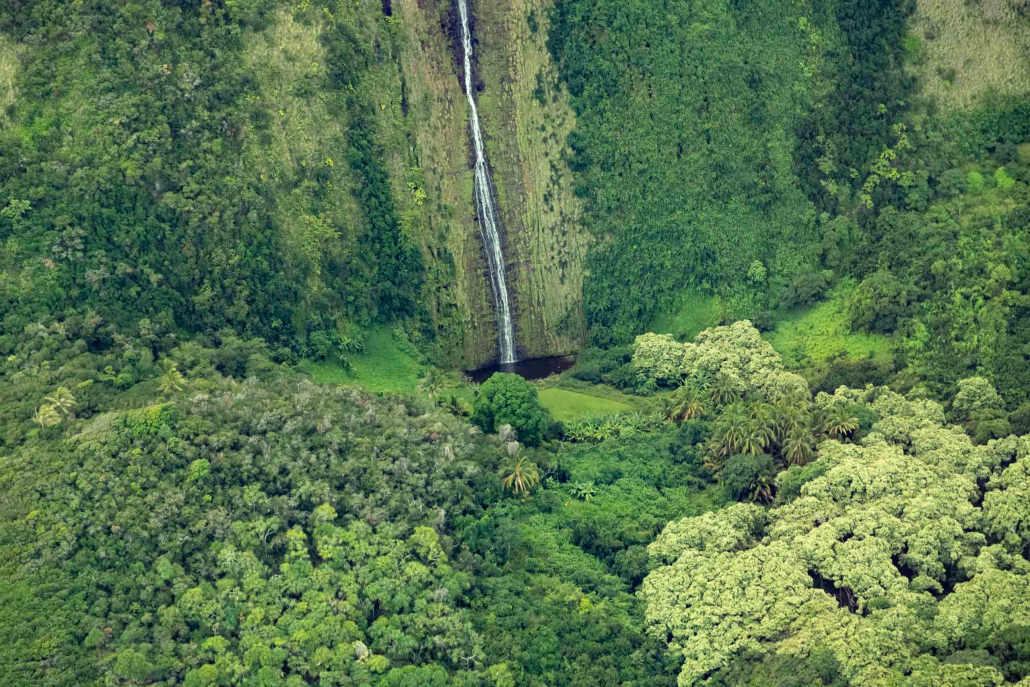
{"points": [[489, 222]]}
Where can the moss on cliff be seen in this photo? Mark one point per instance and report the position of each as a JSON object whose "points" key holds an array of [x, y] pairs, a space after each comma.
{"points": [[526, 118], [421, 128]]}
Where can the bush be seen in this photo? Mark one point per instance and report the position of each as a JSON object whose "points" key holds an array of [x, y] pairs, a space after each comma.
{"points": [[509, 399], [684, 449], [1019, 419], [951, 183], [1003, 180], [595, 366], [805, 288], [743, 474], [975, 182], [879, 303], [841, 371]]}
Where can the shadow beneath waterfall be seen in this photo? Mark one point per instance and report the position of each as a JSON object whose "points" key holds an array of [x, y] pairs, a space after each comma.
{"points": [[537, 368]]}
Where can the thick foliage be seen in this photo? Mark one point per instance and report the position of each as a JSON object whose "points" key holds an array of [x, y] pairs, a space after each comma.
{"points": [[508, 399], [125, 186], [884, 561], [208, 531]]}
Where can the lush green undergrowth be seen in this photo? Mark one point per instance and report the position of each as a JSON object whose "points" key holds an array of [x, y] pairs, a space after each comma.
{"points": [[384, 365], [693, 313], [819, 332]]}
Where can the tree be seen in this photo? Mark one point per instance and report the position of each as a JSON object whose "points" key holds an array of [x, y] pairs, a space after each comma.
{"points": [[687, 404], [790, 420], [507, 398], [879, 303], [431, 383], [748, 476], [62, 401], [730, 430], [659, 357], [519, 474], [726, 389], [885, 551], [840, 423], [799, 448], [975, 395], [755, 438], [171, 380], [46, 416]]}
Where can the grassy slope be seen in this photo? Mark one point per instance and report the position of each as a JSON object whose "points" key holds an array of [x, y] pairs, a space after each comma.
{"points": [[820, 331], [694, 313], [960, 50], [817, 332], [382, 367], [567, 405]]}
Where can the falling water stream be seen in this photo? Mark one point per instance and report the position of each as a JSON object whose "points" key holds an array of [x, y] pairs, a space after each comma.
{"points": [[489, 223]]}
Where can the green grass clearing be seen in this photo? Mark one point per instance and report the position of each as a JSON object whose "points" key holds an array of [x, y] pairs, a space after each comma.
{"points": [[694, 313], [819, 332], [382, 367], [569, 405]]}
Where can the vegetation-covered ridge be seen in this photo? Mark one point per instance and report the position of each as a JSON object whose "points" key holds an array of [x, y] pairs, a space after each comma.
{"points": [[288, 171], [795, 234], [219, 519]]}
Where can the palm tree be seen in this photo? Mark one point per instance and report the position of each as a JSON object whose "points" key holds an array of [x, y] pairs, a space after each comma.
{"points": [[431, 383], [666, 407], [790, 419], [799, 448], [583, 490], [755, 437], [172, 380], [46, 416], [519, 474], [62, 401], [701, 381], [797, 398], [725, 390], [765, 415], [761, 489], [840, 424], [730, 430], [687, 404]]}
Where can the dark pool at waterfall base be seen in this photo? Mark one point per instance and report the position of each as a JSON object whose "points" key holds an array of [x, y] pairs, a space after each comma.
{"points": [[537, 368]]}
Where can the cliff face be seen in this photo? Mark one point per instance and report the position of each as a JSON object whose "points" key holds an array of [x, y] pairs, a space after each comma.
{"points": [[525, 121], [419, 115], [528, 119], [458, 288]]}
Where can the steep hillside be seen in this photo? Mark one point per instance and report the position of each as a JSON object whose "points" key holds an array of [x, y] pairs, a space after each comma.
{"points": [[287, 171]]}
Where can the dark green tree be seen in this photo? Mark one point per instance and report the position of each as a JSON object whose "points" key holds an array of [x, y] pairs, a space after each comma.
{"points": [[508, 399]]}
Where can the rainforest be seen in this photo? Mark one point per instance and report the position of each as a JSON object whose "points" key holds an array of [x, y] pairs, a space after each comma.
{"points": [[515, 343]]}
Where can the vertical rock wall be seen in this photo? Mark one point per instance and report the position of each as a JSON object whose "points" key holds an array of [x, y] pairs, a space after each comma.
{"points": [[526, 120]]}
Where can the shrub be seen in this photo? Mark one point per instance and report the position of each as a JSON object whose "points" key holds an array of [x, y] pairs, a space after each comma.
{"points": [[745, 475], [975, 182], [879, 302], [805, 288], [790, 481], [1003, 180]]}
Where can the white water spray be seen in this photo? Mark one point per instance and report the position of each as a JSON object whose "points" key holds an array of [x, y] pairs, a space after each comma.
{"points": [[489, 223]]}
